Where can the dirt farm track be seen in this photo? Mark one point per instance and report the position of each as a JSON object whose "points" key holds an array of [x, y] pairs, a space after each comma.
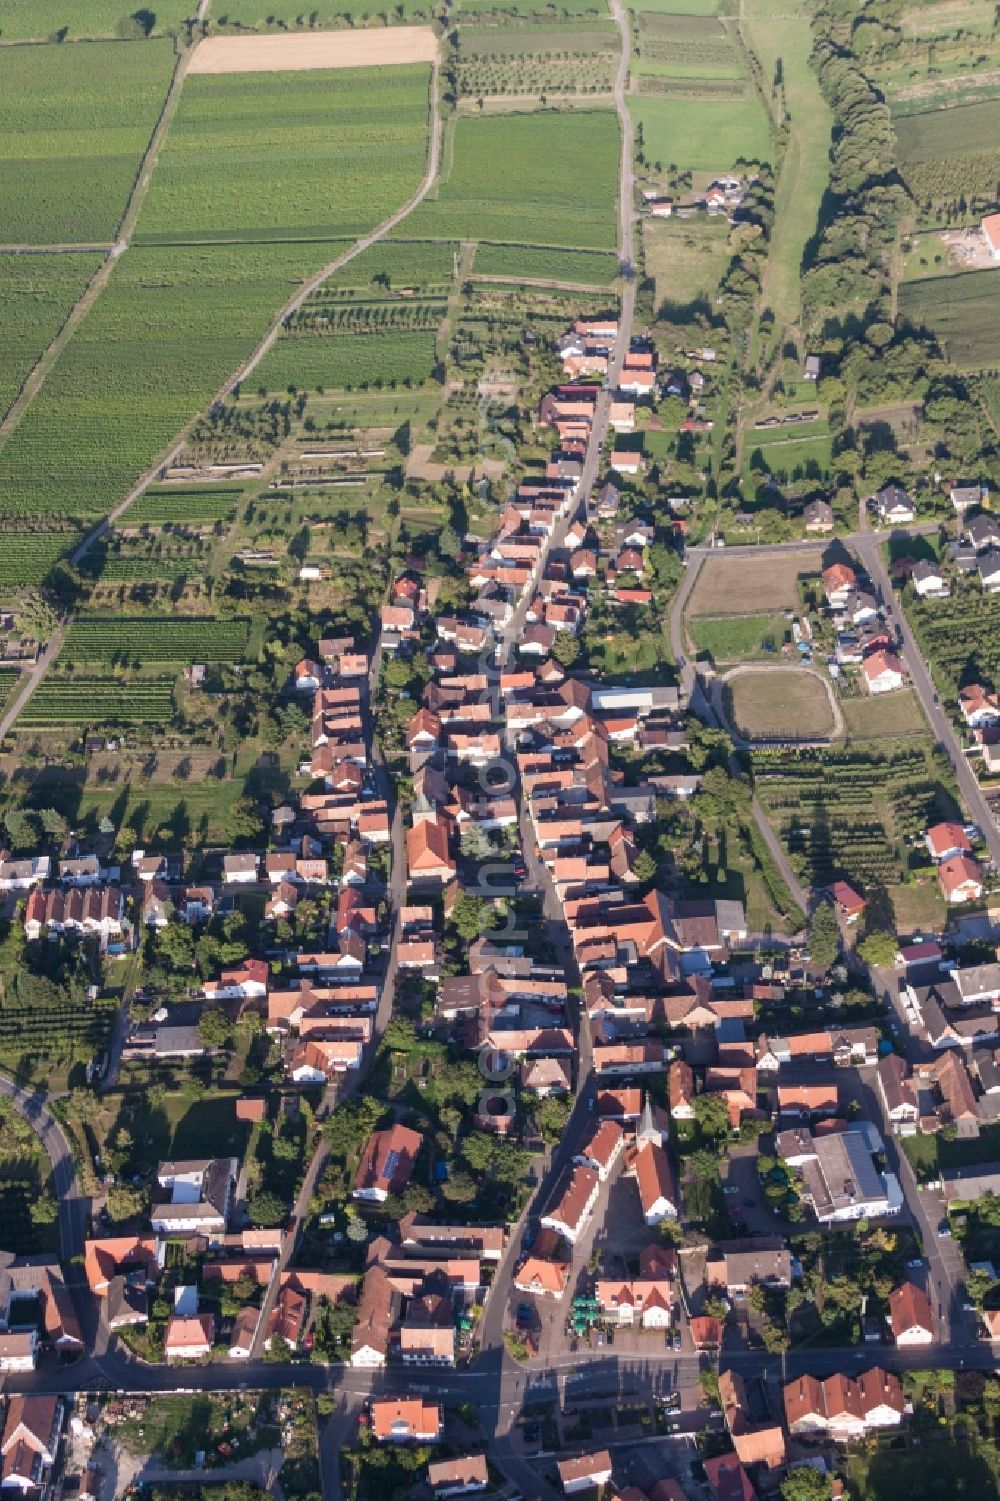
{"points": [[297, 51]]}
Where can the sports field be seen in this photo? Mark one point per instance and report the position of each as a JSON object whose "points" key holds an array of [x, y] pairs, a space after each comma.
{"points": [[74, 123], [786, 703], [542, 178]]}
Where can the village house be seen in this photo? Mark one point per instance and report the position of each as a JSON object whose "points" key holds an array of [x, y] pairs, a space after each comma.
{"points": [[960, 879], [584, 1473], [406, 1420], [911, 1316], [386, 1163]]}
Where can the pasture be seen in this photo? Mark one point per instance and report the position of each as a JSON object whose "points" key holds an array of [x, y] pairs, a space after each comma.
{"points": [[685, 257], [805, 169], [144, 639], [170, 327], [310, 50], [74, 123], [588, 268], [784, 704], [288, 155], [963, 311], [37, 20], [709, 138], [741, 586], [37, 293], [536, 178]]}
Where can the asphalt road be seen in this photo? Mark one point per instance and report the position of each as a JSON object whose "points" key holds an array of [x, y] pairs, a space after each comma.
{"points": [[869, 550]]}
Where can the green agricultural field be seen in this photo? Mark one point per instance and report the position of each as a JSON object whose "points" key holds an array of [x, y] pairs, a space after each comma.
{"points": [[959, 637], [537, 39], [963, 311], [347, 361], [845, 813], [536, 179], [37, 293], [37, 20], [170, 327], [805, 169], [74, 123], [395, 264], [711, 137], [266, 15], [945, 154], [163, 505], [481, 12], [586, 268], [279, 155], [146, 639], [26, 557], [739, 638], [73, 703], [685, 7]]}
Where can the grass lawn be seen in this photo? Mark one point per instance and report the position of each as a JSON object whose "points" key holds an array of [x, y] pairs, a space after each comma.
{"points": [[805, 169], [777, 704], [884, 718], [172, 1129], [944, 1466], [737, 638], [705, 135], [928, 1154], [685, 257], [918, 908], [741, 586]]}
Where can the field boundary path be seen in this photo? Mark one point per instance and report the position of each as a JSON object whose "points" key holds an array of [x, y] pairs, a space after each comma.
{"points": [[37, 375], [30, 683], [292, 305]]}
